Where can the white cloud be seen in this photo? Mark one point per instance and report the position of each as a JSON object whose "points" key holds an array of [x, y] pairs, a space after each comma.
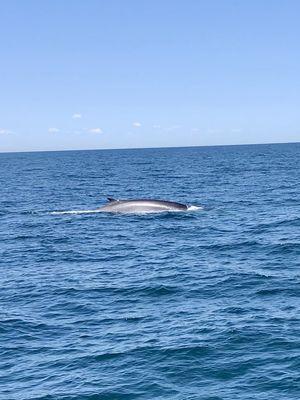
{"points": [[95, 130], [53, 130], [173, 128], [77, 116], [5, 131], [136, 124], [195, 129], [156, 126]]}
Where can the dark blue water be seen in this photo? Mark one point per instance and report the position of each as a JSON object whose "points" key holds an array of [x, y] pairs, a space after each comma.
{"points": [[194, 305]]}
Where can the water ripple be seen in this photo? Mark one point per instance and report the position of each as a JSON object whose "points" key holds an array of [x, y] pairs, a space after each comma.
{"points": [[199, 305]]}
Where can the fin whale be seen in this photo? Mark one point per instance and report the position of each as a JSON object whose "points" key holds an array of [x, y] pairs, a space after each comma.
{"points": [[141, 206]]}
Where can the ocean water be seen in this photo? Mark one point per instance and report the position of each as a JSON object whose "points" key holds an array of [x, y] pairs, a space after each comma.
{"points": [[193, 305]]}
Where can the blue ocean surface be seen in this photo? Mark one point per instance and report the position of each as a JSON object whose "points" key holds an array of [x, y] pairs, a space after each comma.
{"points": [[201, 304]]}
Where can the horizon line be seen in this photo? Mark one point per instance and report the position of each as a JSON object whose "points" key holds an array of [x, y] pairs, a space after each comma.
{"points": [[145, 148]]}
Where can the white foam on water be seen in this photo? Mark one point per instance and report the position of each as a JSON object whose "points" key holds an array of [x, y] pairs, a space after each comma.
{"points": [[194, 208], [75, 212]]}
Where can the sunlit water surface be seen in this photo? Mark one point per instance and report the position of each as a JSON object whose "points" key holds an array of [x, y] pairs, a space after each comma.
{"points": [[190, 305]]}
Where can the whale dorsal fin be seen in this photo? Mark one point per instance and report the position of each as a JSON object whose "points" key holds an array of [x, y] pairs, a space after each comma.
{"points": [[111, 199]]}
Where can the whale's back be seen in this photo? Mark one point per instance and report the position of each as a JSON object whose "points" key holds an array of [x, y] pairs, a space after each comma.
{"points": [[142, 205]]}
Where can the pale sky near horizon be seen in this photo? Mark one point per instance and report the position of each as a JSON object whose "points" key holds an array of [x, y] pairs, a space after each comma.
{"points": [[135, 73]]}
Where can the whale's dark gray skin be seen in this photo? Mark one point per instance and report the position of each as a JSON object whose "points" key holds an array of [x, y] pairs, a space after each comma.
{"points": [[141, 206]]}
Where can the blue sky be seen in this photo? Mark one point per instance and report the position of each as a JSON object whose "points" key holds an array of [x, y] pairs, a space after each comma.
{"points": [[113, 74]]}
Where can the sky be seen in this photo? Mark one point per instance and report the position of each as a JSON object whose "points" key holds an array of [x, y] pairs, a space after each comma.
{"points": [[92, 74]]}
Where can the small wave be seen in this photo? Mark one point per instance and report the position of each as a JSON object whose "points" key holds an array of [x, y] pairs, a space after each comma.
{"points": [[75, 212]]}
